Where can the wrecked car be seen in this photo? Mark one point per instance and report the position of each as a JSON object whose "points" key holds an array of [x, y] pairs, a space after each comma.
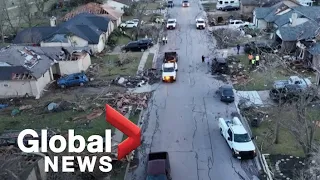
{"points": [[287, 92], [302, 83], [220, 65], [158, 167], [77, 79], [258, 48]]}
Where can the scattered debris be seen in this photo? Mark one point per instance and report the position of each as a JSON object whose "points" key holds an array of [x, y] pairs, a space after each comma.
{"points": [[96, 113], [147, 76], [227, 37], [2, 106], [237, 71]]}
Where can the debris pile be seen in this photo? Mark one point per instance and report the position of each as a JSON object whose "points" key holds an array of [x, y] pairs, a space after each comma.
{"points": [[123, 101], [148, 76], [237, 71], [227, 37]]}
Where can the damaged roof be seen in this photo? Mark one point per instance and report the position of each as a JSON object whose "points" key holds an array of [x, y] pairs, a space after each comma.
{"points": [[250, 2], [262, 12], [33, 35], [305, 30], [94, 8], [315, 49]]}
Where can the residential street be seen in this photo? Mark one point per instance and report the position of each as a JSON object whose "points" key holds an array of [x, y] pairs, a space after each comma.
{"points": [[183, 116]]}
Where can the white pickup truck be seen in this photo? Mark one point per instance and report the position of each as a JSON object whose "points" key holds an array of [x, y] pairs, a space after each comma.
{"points": [[237, 138], [200, 23], [171, 23], [238, 23], [169, 71]]}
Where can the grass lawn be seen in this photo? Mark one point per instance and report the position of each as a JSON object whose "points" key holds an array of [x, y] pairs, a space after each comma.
{"points": [[259, 80], [287, 143], [118, 173], [134, 117], [149, 62], [58, 121], [123, 40], [209, 6], [109, 68], [153, 6]]}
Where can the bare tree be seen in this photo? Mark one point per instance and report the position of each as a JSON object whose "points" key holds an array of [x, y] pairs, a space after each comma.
{"points": [[312, 169], [140, 9], [25, 12], [40, 4]]}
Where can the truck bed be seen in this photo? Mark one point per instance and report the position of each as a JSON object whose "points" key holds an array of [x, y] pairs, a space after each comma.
{"points": [[170, 57]]}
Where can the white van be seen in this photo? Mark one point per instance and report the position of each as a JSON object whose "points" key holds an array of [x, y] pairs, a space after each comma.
{"points": [[228, 5]]}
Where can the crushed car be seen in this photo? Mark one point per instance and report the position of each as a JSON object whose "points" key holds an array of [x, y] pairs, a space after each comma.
{"points": [[77, 79], [219, 65]]}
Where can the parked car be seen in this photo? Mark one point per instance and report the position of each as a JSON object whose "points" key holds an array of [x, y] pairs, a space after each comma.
{"points": [[238, 23], [77, 79], [170, 4], [229, 8], [185, 3], [147, 41], [158, 166], [220, 65], [226, 93], [129, 24], [135, 46], [287, 92]]}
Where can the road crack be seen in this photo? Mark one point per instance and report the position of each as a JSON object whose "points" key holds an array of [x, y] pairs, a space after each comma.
{"points": [[240, 176]]}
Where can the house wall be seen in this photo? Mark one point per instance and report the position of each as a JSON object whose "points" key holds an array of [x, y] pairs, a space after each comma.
{"points": [[97, 48], [316, 62], [246, 9], [71, 67], [116, 5], [111, 27], [73, 41], [17, 88]]}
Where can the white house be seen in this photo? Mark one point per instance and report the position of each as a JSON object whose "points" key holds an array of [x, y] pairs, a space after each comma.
{"points": [[119, 5], [26, 71]]}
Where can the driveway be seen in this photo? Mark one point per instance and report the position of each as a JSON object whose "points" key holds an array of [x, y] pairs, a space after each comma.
{"points": [[182, 117]]}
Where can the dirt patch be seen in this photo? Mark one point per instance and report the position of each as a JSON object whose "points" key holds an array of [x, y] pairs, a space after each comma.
{"points": [[285, 166]]}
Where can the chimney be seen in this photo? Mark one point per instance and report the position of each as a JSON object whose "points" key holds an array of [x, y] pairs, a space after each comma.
{"points": [[53, 21], [293, 19]]}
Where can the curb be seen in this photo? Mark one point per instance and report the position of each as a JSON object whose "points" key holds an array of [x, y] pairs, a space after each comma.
{"points": [[139, 123]]}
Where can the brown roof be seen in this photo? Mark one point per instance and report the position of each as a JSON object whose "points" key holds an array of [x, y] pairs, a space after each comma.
{"points": [[94, 8]]}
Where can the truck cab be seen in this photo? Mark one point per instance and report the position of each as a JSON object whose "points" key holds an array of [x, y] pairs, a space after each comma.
{"points": [[169, 71], [171, 23], [200, 23], [237, 138], [158, 167], [303, 83]]}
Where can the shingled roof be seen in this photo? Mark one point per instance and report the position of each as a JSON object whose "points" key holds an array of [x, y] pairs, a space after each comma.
{"points": [[33, 35], [305, 30]]}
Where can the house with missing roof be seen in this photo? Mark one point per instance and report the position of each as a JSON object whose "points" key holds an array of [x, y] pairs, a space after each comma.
{"points": [[83, 30], [98, 9], [119, 5], [27, 70]]}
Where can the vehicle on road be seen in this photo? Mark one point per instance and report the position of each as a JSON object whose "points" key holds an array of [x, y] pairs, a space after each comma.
{"points": [[169, 67], [238, 23], [76, 79], [135, 46], [228, 4], [237, 138], [170, 57], [158, 166], [302, 83], [219, 65], [170, 4], [171, 23], [200, 23], [129, 24], [185, 3], [226, 93]]}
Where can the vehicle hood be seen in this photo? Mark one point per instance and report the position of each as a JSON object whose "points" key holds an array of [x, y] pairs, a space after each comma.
{"points": [[201, 23], [280, 83], [246, 146], [168, 74], [171, 24]]}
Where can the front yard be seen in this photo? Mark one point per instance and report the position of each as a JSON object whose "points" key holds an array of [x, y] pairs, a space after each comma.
{"points": [[262, 79]]}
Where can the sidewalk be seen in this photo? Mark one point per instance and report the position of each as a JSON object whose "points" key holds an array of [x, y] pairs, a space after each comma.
{"points": [[258, 98], [145, 55]]}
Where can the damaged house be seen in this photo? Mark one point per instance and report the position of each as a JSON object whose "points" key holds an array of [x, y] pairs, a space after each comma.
{"points": [[27, 70], [83, 30], [98, 9]]}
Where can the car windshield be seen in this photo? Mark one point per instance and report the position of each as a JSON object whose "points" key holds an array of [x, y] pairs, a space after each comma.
{"points": [[170, 22], [170, 1], [241, 138], [185, 1], [200, 21], [227, 92], [171, 69]]}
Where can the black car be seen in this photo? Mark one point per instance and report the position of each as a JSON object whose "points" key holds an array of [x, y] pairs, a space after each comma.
{"points": [[147, 41], [170, 4], [226, 93], [135, 46], [288, 92], [229, 8], [220, 65], [258, 48]]}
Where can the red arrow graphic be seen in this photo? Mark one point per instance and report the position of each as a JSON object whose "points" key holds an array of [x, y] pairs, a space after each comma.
{"points": [[133, 132]]}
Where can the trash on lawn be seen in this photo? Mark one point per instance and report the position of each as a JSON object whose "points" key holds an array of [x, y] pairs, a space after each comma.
{"points": [[15, 112], [96, 113], [2, 106], [61, 106], [149, 76], [25, 107], [52, 106], [237, 71]]}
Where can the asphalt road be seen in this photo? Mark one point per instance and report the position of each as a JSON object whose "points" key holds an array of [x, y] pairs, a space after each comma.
{"points": [[182, 118]]}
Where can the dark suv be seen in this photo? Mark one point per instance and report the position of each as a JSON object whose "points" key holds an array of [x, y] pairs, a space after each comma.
{"points": [[147, 41], [135, 46]]}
